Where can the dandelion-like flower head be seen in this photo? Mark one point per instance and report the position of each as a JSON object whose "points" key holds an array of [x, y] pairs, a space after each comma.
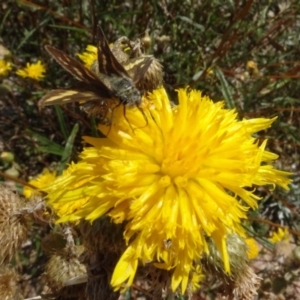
{"points": [[5, 66], [34, 71], [177, 175], [282, 234]]}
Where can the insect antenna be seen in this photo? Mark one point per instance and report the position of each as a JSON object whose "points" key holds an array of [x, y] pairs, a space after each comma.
{"points": [[124, 112], [143, 113]]}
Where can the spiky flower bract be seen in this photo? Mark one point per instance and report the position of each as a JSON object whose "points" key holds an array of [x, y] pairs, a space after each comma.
{"points": [[13, 225], [9, 283], [177, 175], [62, 266], [4, 67], [35, 71]]}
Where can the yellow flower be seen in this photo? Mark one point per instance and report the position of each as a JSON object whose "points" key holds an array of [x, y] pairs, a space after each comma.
{"points": [[280, 235], [34, 71], [175, 175], [89, 56], [43, 180], [252, 67], [39, 182], [4, 67], [253, 249]]}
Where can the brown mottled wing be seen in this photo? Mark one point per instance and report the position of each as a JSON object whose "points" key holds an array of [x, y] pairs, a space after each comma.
{"points": [[93, 103], [61, 96], [107, 62], [76, 68], [137, 67]]}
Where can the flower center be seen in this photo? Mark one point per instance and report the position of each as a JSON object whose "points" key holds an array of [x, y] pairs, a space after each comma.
{"points": [[183, 159]]}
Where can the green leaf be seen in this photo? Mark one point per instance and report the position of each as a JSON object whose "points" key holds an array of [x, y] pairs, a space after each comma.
{"points": [[69, 28], [28, 34], [67, 153], [46, 145], [225, 89], [61, 120], [4, 20], [191, 22], [94, 126]]}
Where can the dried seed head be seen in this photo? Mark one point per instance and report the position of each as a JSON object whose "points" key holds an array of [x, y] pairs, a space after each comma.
{"points": [[9, 284], [13, 229], [61, 267], [153, 77], [242, 283], [245, 285]]}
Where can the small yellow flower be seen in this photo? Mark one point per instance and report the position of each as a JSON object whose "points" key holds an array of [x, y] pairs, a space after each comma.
{"points": [[4, 67], [251, 64], [252, 67], [39, 182], [280, 235], [172, 173], [88, 56], [34, 71], [253, 249]]}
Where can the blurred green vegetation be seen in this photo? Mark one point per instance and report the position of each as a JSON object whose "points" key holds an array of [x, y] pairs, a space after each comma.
{"points": [[244, 52]]}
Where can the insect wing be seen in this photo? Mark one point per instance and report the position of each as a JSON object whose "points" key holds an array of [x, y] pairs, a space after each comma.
{"points": [[76, 68], [61, 96], [108, 64], [93, 103], [137, 67]]}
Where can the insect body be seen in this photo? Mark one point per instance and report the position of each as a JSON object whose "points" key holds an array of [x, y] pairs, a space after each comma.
{"points": [[103, 90]]}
